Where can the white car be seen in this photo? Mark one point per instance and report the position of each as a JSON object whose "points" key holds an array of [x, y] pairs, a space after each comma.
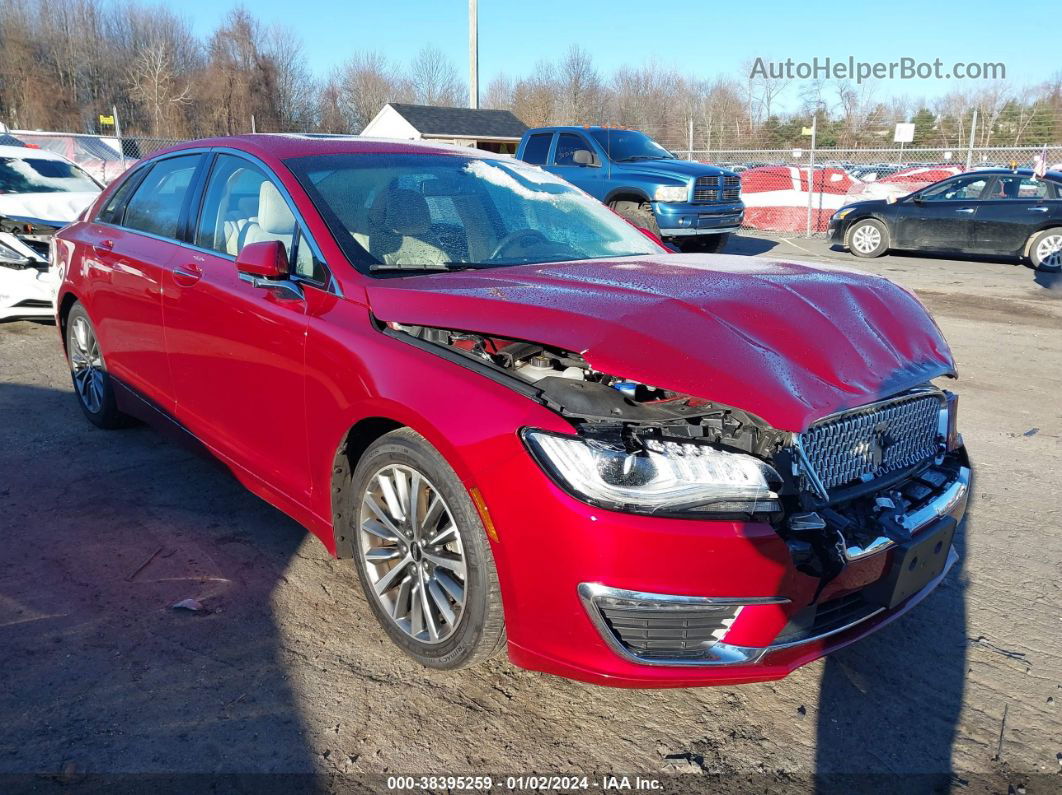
{"points": [[40, 192]]}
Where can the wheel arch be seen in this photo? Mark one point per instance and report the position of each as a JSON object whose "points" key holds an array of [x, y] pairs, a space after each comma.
{"points": [[356, 441], [66, 303], [627, 194], [1027, 248]]}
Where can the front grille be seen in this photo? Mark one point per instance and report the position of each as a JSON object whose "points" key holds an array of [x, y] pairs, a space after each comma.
{"points": [[827, 617], [673, 632], [710, 190], [873, 441]]}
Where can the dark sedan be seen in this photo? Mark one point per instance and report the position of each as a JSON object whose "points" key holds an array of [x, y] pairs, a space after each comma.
{"points": [[992, 211]]}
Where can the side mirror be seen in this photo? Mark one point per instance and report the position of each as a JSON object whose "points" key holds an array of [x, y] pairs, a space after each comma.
{"points": [[266, 265], [265, 260], [583, 157]]}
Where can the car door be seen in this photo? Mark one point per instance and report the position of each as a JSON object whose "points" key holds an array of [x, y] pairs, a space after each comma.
{"points": [[941, 217], [237, 352], [128, 249], [582, 170], [1014, 207]]}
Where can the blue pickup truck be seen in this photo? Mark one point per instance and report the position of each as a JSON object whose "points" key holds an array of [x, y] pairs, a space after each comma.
{"points": [[691, 205]]}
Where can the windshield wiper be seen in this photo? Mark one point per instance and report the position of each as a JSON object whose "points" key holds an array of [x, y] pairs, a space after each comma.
{"points": [[643, 157], [435, 267]]}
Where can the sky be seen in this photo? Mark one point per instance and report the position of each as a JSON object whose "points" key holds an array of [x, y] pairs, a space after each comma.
{"points": [[698, 38]]}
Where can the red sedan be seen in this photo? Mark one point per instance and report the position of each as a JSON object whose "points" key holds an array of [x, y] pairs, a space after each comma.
{"points": [[526, 423]]}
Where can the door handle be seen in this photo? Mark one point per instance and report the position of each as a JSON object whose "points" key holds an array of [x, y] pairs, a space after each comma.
{"points": [[965, 210], [1038, 209], [187, 275], [103, 247]]}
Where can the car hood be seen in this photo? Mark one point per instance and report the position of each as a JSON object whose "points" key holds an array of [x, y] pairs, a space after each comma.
{"points": [[788, 342], [57, 208], [678, 169]]}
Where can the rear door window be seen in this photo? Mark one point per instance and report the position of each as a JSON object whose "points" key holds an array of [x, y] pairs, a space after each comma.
{"points": [[155, 206], [537, 148], [1019, 187]]}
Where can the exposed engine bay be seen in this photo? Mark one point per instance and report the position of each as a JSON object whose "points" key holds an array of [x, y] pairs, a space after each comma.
{"points": [[26, 286], [824, 528]]}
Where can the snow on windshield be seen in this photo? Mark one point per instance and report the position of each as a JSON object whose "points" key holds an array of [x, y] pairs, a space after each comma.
{"points": [[561, 194], [41, 175]]}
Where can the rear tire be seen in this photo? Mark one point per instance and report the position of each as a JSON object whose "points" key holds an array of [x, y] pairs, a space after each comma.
{"points": [[1045, 250], [641, 215], [410, 562], [867, 238], [88, 371], [706, 244]]}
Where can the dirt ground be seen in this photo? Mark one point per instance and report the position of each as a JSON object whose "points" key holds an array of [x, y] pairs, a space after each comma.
{"points": [[101, 532]]}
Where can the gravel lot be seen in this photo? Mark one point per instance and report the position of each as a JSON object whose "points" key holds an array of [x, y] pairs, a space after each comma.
{"points": [[100, 532]]}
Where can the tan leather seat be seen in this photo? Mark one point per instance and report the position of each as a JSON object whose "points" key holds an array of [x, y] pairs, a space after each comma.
{"points": [[398, 222], [275, 220]]}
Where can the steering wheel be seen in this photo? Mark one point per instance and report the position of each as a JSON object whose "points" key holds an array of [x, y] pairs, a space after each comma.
{"points": [[526, 238]]}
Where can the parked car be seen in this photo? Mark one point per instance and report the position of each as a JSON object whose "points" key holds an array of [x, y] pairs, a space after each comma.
{"points": [[692, 205], [40, 192], [993, 211], [98, 155], [525, 421]]}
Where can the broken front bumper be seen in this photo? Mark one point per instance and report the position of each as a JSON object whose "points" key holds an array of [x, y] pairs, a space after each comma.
{"points": [[26, 292], [601, 595]]}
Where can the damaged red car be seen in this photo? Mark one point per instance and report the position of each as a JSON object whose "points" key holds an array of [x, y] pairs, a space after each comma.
{"points": [[527, 424]]}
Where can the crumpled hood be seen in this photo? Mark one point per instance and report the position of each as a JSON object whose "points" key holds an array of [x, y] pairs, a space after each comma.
{"points": [[58, 208], [786, 341]]}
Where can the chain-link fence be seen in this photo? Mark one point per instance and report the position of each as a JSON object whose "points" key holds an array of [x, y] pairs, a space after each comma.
{"points": [[786, 191]]}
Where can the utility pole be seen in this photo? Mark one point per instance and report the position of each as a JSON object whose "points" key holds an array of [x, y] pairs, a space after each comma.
{"points": [[689, 140], [969, 150], [811, 167], [473, 55], [118, 132]]}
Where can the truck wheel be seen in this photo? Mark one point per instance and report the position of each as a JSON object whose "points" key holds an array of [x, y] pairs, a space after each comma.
{"points": [[422, 554], [1045, 250], [867, 238], [707, 244], [641, 215]]}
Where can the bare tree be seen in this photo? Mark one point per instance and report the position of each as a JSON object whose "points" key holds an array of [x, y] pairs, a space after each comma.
{"points": [[155, 82], [434, 79], [366, 83]]}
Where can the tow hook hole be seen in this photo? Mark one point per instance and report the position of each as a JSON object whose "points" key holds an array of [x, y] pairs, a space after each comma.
{"points": [[914, 562], [938, 547]]}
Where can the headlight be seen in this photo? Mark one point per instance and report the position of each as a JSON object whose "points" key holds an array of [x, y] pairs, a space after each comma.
{"points": [[664, 477], [672, 193], [12, 257], [840, 214]]}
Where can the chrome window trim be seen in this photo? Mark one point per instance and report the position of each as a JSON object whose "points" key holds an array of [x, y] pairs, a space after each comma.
{"points": [[330, 285]]}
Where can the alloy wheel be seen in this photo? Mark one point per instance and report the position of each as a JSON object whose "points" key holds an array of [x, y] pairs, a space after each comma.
{"points": [[866, 239], [87, 365], [1049, 252], [412, 551]]}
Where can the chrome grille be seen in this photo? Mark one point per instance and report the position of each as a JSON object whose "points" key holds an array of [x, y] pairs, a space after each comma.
{"points": [[873, 441], [706, 190]]}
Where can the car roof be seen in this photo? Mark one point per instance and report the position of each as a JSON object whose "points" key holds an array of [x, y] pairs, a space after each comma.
{"points": [[287, 145], [1022, 172], [22, 152]]}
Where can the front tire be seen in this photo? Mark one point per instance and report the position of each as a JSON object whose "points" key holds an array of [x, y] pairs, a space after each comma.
{"points": [[867, 238], [88, 371], [641, 215], [1045, 250], [422, 554]]}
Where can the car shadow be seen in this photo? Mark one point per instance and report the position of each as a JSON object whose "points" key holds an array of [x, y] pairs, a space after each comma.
{"points": [[748, 246], [103, 533], [1049, 280]]}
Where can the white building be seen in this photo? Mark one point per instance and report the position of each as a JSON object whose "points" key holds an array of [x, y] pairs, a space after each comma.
{"points": [[490, 130]]}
